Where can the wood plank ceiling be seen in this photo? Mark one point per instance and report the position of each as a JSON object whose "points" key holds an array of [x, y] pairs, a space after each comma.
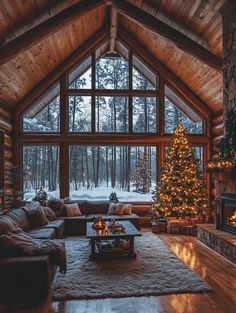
{"points": [[199, 20]]}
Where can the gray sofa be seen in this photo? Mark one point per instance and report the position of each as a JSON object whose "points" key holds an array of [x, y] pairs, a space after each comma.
{"points": [[89, 209], [27, 279]]}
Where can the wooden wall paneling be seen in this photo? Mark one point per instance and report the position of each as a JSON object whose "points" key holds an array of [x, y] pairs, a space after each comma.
{"points": [[183, 42], [19, 76], [45, 29], [84, 50], [191, 71]]}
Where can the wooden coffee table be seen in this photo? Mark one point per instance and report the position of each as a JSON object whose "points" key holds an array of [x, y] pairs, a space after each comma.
{"points": [[100, 237]]}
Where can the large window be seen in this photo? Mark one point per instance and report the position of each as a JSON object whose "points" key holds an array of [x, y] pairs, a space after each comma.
{"points": [[41, 168], [79, 114], [44, 115], [111, 114], [178, 112], [96, 171], [111, 117]]}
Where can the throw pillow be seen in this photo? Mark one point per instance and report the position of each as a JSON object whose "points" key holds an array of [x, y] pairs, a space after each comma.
{"points": [[32, 205], [57, 206], [111, 209], [72, 209], [50, 214], [119, 209], [7, 225], [37, 217], [127, 209]]}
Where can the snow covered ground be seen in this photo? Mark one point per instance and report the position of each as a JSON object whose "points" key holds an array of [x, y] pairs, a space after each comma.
{"points": [[97, 194]]}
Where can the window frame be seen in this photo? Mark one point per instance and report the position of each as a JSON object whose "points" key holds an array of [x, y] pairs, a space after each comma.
{"points": [[65, 138]]}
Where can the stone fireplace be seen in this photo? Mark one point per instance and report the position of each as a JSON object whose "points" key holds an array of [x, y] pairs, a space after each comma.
{"points": [[227, 218]]}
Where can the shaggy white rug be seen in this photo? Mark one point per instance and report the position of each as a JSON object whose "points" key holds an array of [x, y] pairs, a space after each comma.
{"points": [[155, 271]]}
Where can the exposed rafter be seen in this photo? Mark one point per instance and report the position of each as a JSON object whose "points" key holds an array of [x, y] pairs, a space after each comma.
{"points": [[45, 29], [153, 9], [96, 40], [113, 30], [180, 40]]}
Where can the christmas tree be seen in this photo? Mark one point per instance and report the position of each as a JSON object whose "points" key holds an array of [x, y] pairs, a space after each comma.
{"points": [[181, 191], [143, 177]]}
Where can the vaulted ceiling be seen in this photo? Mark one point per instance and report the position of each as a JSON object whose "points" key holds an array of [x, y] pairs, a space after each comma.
{"points": [[36, 36]]}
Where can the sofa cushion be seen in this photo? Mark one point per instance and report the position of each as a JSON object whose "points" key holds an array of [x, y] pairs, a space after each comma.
{"points": [[72, 209], [57, 205], [127, 209], [32, 205], [8, 225], [50, 214], [58, 225], [20, 217], [97, 207], [37, 217], [42, 233], [82, 206], [111, 209]]}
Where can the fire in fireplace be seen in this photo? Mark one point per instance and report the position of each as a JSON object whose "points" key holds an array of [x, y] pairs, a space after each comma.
{"points": [[228, 212]]}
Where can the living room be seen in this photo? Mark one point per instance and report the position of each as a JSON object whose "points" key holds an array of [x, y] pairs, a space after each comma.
{"points": [[117, 156]]}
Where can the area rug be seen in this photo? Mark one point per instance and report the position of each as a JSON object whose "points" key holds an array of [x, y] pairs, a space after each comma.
{"points": [[155, 271]]}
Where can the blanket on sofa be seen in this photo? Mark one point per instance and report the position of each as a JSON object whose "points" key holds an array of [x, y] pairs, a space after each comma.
{"points": [[21, 244], [55, 249]]}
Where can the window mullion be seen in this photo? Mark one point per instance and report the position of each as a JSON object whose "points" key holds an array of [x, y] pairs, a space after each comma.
{"points": [[130, 92], [93, 100]]}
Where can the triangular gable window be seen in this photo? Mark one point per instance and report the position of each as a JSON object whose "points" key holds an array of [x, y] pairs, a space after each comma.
{"points": [[80, 77], [44, 115], [112, 72], [177, 111], [143, 77]]}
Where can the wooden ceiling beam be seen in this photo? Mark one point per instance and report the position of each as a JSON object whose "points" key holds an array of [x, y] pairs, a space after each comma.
{"points": [[173, 81], [96, 40], [180, 40], [33, 36], [113, 30]]}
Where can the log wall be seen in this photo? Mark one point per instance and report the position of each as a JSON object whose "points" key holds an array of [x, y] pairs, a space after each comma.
{"points": [[6, 125]]}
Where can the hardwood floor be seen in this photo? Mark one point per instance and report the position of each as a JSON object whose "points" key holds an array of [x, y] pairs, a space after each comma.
{"points": [[218, 272]]}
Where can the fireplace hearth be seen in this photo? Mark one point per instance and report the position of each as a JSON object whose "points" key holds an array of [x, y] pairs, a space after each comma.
{"points": [[227, 216]]}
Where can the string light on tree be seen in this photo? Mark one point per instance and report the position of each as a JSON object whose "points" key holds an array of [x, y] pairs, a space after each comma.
{"points": [[181, 191]]}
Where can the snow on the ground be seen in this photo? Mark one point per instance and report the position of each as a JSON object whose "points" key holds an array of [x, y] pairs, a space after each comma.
{"points": [[96, 194]]}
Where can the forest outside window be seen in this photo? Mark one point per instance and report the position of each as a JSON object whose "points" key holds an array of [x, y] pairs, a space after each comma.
{"points": [[41, 169], [112, 73], [79, 113], [178, 112], [96, 171], [44, 115], [112, 114], [144, 115]]}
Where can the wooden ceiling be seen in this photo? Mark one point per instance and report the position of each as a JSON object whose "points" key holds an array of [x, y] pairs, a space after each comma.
{"points": [[26, 62]]}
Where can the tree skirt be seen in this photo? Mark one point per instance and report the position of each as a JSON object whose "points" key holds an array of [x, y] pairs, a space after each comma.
{"points": [[155, 271]]}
